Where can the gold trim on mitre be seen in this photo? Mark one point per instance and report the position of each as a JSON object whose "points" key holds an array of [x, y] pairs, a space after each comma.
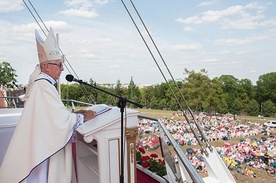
{"points": [[47, 50]]}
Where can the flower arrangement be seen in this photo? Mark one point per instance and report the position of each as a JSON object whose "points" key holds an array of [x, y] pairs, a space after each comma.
{"points": [[151, 162]]}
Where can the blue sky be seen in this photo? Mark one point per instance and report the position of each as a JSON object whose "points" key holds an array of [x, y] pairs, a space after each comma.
{"points": [[100, 41]]}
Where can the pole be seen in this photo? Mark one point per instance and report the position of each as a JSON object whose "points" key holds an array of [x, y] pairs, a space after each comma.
{"points": [[122, 105]]}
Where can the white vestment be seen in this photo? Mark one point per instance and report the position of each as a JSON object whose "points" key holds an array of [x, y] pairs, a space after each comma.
{"points": [[42, 133]]}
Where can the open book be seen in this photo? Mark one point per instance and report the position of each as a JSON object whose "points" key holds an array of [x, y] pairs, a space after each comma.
{"points": [[99, 108]]}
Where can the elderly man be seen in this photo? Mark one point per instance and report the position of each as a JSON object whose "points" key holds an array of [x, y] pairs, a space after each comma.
{"points": [[40, 150]]}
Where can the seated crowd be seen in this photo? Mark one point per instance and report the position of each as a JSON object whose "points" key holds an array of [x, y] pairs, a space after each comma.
{"points": [[243, 156]]}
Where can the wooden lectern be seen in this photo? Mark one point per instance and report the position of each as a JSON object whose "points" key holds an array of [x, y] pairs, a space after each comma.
{"points": [[98, 148]]}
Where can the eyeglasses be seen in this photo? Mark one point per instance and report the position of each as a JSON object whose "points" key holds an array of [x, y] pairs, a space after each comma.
{"points": [[59, 65]]}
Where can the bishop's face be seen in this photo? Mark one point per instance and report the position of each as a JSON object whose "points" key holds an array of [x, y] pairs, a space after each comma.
{"points": [[54, 68]]}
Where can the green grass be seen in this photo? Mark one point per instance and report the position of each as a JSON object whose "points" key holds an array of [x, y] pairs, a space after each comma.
{"points": [[161, 113], [156, 113]]}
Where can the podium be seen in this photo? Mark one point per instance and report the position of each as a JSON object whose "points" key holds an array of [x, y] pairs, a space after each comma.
{"points": [[98, 148]]}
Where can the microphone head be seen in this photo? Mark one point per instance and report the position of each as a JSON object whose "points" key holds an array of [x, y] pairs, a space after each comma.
{"points": [[69, 77]]}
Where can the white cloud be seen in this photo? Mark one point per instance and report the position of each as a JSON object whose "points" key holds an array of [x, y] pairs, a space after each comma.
{"points": [[232, 41], [255, 6], [253, 71], [249, 16], [89, 55], [223, 52], [189, 29], [83, 3], [115, 66], [272, 32], [211, 16], [87, 3], [60, 26], [245, 52], [10, 5], [237, 41], [179, 47], [243, 23], [269, 22], [210, 60], [82, 8], [206, 3], [190, 20], [101, 1], [103, 40], [79, 13]]}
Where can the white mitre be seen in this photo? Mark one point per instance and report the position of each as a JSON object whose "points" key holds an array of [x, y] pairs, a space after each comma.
{"points": [[48, 49]]}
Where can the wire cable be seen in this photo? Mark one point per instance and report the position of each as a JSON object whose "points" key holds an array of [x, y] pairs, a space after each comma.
{"points": [[188, 108], [182, 96]]}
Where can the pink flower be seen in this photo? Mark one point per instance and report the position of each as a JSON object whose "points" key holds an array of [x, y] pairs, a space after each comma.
{"points": [[145, 158], [154, 155], [161, 161], [145, 164], [142, 150]]}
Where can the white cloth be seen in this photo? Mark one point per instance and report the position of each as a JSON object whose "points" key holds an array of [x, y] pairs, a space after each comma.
{"points": [[39, 174], [32, 77], [43, 132]]}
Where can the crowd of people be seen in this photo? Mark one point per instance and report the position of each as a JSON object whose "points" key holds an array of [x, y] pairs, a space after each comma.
{"points": [[243, 157]]}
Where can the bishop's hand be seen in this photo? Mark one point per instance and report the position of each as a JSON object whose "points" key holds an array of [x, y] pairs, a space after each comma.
{"points": [[88, 114]]}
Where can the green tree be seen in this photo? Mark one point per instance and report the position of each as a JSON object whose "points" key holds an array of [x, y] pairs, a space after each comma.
{"points": [[213, 97], [153, 103], [220, 95], [146, 94], [268, 108], [173, 96], [71, 91], [222, 107], [160, 93], [236, 106], [231, 93], [253, 108], [134, 93], [245, 93], [119, 89], [266, 88], [195, 87], [247, 87], [7, 73]]}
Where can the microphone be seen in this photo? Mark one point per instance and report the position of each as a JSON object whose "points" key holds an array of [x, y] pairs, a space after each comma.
{"points": [[71, 78]]}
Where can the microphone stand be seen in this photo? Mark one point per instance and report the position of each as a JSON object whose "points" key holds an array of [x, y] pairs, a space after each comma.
{"points": [[121, 104]]}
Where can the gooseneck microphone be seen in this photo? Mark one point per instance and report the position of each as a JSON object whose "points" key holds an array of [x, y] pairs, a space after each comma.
{"points": [[71, 78]]}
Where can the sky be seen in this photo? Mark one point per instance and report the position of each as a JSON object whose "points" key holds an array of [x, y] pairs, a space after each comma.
{"points": [[100, 41]]}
